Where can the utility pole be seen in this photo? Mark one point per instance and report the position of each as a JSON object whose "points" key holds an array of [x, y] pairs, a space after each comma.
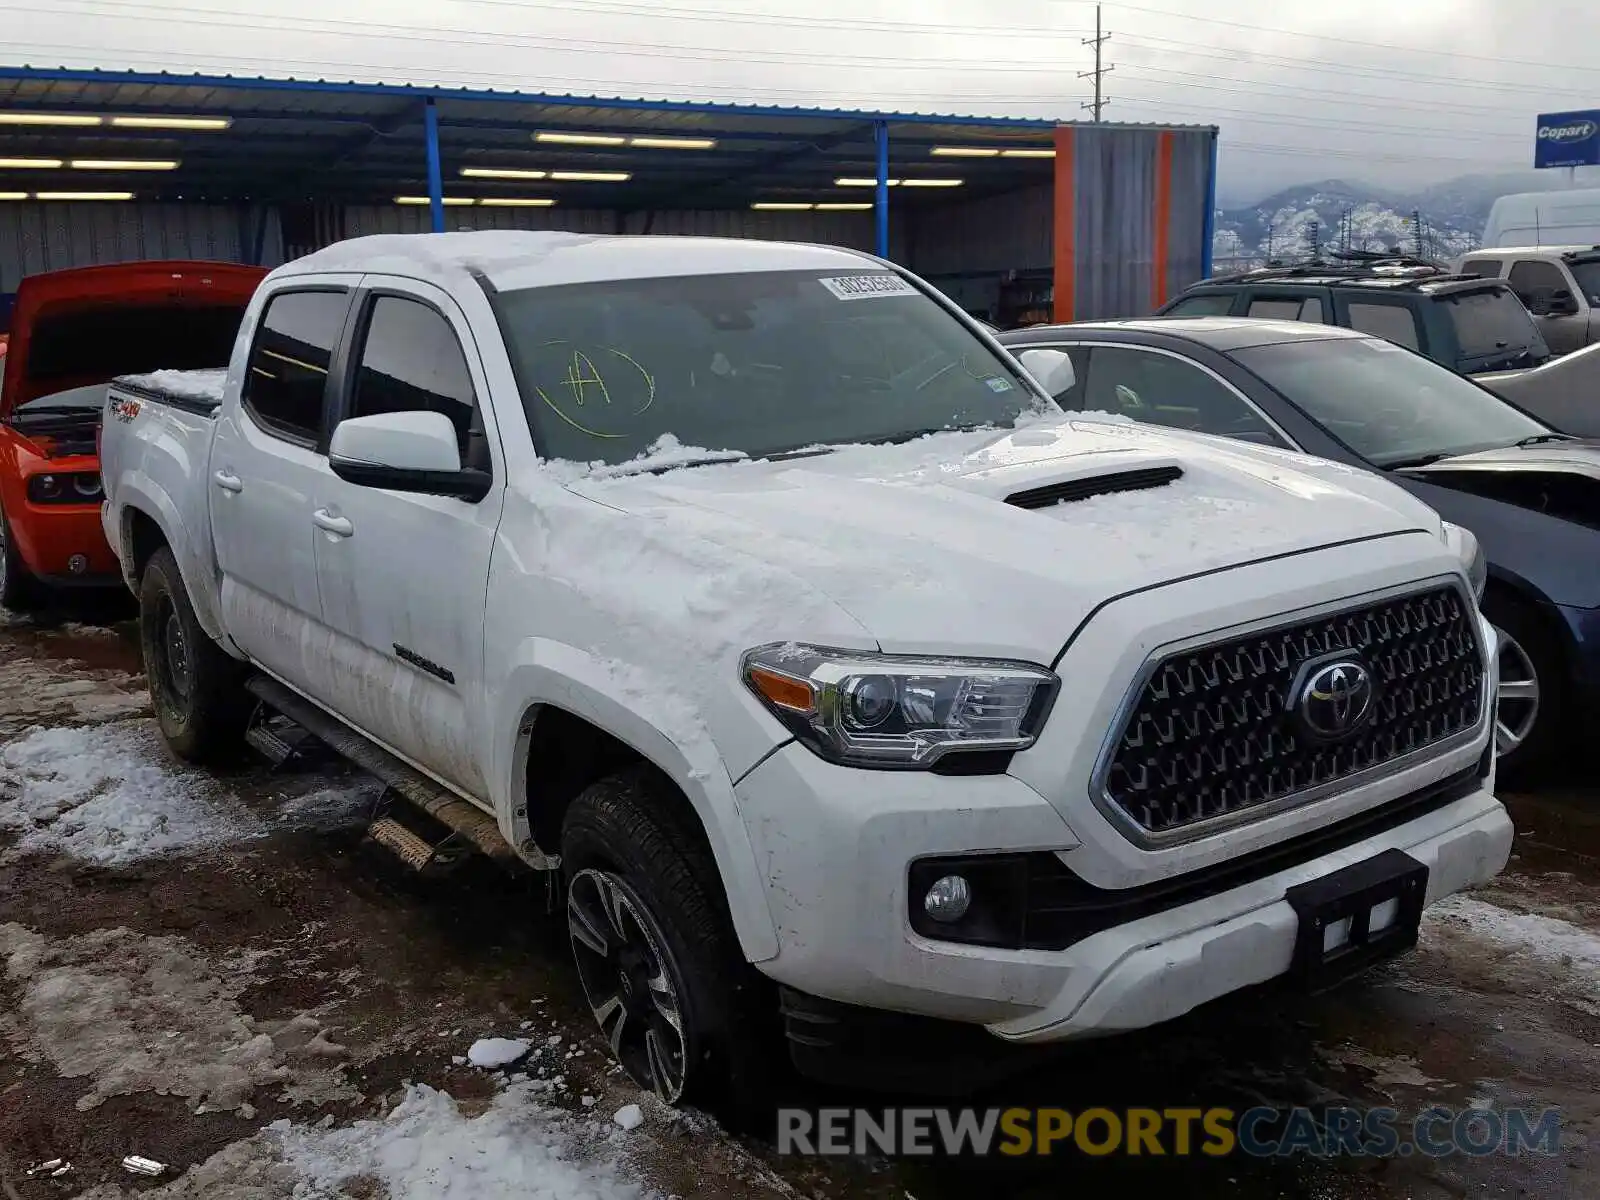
{"points": [[1416, 231], [1100, 71], [1314, 236]]}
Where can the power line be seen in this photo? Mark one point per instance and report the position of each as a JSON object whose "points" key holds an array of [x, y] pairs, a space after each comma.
{"points": [[1098, 41], [1248, 117]]}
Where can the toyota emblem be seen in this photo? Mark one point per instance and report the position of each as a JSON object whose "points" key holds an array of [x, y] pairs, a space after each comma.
{"points": [[1336, 699]]}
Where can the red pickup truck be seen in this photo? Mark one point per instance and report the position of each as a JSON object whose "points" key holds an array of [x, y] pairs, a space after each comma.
{"points": [[72, 332]]}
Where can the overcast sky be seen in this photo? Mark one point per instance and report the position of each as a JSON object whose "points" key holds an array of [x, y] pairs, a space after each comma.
{"points": [[1395, 93]]}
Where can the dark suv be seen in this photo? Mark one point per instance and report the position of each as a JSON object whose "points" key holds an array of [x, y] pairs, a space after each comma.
{"points": [[1468, 323]]}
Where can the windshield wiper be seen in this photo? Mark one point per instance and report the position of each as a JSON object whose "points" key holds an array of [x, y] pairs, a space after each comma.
{"points": [[1537, 438], [709, 460], [1422, 460]]}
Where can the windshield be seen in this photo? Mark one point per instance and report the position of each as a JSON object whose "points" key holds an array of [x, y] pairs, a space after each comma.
{"points": [[1388, 404], [1588, 276], [757, 363], [1491, 321]]}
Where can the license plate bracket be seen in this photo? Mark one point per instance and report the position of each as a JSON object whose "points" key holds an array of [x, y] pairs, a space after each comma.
{"points": [[1341, 909]]}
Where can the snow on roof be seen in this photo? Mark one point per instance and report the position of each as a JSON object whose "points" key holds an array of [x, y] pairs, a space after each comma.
{"points": [[512, 259]]}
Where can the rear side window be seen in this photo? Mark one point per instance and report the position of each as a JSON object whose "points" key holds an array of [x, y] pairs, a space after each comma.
{"points": [[1533, 279], [1484, 268], [289, 362], [1491, 321], [1393, 322], [412, 361], [1212, 304], [1286, 308]]}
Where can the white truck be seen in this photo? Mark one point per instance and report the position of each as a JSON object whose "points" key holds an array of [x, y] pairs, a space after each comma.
{"points": [[848, 687]]}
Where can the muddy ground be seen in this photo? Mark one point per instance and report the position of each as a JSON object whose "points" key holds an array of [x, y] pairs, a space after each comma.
{"points": [[266, 966]]}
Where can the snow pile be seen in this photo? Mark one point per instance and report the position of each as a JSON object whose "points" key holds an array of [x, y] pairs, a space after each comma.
{"points": [[425, 1149], [666, 451], [109, 794], [207, 387], [1525, 939], [133, 1014], [497, 1052]]}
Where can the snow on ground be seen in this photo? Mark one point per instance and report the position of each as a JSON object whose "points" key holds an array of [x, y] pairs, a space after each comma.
{"points": [[129, 1014], [37, 691], [497, 1052], [110, 794], [426, 1148], [1499, 936]]}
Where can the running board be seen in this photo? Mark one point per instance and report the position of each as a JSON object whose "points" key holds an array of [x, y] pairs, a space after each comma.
{"points": [[470, 822]]}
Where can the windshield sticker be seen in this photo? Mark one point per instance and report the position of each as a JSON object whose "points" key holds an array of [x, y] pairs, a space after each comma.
{"points": [[867, 287], [998, 385]]}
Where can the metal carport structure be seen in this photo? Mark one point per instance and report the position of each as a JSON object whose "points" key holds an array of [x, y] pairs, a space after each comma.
{"points": [[280, 166]]}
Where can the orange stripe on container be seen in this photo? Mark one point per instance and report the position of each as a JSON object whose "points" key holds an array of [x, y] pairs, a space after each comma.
{"points": [[1066, 229], [1163, 216]]}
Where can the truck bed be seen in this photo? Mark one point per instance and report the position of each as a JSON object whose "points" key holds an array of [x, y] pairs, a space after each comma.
{"points": [[198, 392]]}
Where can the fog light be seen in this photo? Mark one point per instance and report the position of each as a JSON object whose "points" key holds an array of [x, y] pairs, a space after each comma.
{"points": [[948, 899], [77, 564]]}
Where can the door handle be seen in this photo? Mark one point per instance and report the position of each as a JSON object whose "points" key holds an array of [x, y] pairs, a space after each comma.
{"points": [[338, 526], [228, 482]]}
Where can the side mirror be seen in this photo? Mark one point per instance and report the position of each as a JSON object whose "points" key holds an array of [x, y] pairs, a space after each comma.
{"points": [[1051, 369], [1561, 303], [404, 452]]}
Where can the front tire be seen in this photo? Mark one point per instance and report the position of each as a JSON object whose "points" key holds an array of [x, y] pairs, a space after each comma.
{"points": [[683, 1012], [1530, 715], [196, 689], [19, 590]]}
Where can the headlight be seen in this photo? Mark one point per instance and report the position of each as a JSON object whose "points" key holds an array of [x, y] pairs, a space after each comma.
{"points": [[880, 710], [1465, 544], [74, 487]]}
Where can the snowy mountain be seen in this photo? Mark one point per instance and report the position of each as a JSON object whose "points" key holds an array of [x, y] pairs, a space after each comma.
{"points": [[1334, 214]]}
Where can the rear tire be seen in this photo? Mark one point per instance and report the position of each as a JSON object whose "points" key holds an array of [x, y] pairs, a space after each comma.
{"points": [[196, 689], [19, 590], [1531, 718], [652, 938]]}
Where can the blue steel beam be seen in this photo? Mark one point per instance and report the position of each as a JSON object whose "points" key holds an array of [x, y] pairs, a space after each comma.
{"points": [[435, 177], [881, 208]]}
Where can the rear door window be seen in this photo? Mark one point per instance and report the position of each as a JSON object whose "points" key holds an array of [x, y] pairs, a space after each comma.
{"points": [[1210, 304], [1394, 322], [1286, 308], [288, 375], [1485, 268]]}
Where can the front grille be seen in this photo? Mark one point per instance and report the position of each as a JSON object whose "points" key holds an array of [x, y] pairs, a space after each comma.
{"points": [[1213, 732]]}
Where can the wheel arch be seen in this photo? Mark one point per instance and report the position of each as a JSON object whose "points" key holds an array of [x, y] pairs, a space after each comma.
{"points": [[564, 705]]}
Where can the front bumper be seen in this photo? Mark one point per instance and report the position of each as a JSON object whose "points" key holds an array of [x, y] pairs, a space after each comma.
{"points": [[50, 537], [837, 848]]}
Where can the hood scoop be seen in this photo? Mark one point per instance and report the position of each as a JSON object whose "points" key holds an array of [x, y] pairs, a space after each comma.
{"points": [[1095, 485]]}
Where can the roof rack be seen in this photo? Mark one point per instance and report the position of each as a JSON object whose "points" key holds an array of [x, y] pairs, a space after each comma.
{"points": [[1390, 267]]}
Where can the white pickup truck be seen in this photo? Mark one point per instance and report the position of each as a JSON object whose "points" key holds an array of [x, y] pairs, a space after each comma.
{"points": [[847, 686]]}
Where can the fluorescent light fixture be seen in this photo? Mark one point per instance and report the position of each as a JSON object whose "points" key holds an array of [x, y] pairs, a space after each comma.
{"points": [[936, 183], [592, 176], [847, 181], [448, 201], [83, 195], [842, 207], [13, 195], [580, 139], [33, 118], [516, 202], [851, 182], [43, 164], [782, 206], [501, 173], [193, 123], [1034, 152], [124, 164], [673, 143], [966, 151]]}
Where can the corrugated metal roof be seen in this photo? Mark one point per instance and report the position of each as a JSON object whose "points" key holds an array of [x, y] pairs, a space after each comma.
{"points": [[354, 141]]}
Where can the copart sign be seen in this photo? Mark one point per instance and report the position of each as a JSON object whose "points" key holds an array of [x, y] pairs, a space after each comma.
{"points": [[1570, 139]]}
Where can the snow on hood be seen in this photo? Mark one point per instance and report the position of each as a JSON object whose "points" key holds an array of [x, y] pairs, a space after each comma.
{"points": [[917, 543]]}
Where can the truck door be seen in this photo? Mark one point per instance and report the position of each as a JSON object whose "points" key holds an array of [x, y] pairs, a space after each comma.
{"points": [[265, 469], [403, 576]]}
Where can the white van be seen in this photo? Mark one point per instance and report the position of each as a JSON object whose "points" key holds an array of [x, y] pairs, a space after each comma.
{"points": [[1545, 219]]}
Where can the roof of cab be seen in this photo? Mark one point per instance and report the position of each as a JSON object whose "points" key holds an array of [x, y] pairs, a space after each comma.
{"points": [[1220, 333], [513, 259]]}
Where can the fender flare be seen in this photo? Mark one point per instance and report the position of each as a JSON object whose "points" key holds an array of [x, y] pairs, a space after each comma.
{"points": [[543, 672], [140, 494]]}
